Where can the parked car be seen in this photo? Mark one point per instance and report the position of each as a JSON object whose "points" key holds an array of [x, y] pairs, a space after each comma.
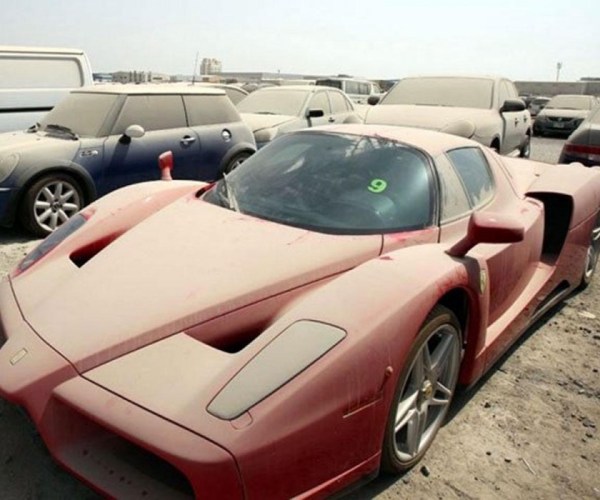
{"points": [[306, 319], [485, 109], [272, 111], [563, 114], [583, 145], [34, 79], [537, 104], [358, 90], [104, 137]]}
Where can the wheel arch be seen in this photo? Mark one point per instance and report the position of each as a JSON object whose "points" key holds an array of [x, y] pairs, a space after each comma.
{"points": [[244, 147]]}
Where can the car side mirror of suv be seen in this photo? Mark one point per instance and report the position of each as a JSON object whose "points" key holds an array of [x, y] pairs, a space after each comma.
{"points": [[511, 105], [132, 132]]}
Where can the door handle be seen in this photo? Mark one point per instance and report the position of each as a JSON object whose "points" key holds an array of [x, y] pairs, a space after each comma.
{"points": [[516, 121], [186, 140], [331, 119]]}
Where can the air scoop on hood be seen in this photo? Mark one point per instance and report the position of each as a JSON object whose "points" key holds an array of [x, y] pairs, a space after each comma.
{"points": [[186, 264]]}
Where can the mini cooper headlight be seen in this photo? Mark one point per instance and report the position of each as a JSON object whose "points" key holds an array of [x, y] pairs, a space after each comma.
{"points": [[7, 165]]}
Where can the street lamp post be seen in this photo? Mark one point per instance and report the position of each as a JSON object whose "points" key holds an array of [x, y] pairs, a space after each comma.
{"points": [[559, 66]]}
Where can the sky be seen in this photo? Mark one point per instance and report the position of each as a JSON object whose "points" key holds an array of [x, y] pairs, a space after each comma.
{"points": [[383, 39]]}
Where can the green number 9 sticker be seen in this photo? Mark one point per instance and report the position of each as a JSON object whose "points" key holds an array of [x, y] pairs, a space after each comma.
{"points": [[377, 186]]}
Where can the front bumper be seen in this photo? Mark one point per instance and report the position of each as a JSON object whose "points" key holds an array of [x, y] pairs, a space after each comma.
{"points": [[562, 127]]}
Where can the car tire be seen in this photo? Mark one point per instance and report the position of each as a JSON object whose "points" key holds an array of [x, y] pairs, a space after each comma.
{"points": [[236, 161], [525, 149], [591, 257], [49, 202], [424, 385]]}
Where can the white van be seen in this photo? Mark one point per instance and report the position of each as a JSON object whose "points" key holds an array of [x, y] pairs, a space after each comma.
{"points": [[356, 89], [34, 79]]}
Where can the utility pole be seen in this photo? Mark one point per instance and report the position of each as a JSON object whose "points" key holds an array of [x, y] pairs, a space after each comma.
{"points": [[559, 66], [195, 68]]}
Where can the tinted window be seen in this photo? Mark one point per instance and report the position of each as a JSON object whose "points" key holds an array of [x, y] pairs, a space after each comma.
{"points": [[155, 112], [320, 101], [39, 73], [474, 173], [330, 83], [352, 87], [333, 183], [274, 102], [447, 91], [338, 103], [363, 88], [454, 202], [209, 109], [83, 113]]}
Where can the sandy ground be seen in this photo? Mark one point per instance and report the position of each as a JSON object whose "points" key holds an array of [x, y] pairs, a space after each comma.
{"points": [[528, 430]]}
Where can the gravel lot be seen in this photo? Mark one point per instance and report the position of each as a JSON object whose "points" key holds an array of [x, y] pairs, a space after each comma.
{"points": [[528, 430]]}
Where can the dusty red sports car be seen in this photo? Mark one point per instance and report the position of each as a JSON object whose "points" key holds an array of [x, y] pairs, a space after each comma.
{"points": [[295, 327]]}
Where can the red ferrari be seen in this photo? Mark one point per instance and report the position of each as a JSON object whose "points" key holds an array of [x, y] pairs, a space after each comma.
{"points": [[295, 327]]}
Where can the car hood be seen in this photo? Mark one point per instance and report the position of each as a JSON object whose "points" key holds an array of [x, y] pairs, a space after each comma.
{"points": [[563, 113], [32, 144], [258, 121], [429, 117], [182, 266]]}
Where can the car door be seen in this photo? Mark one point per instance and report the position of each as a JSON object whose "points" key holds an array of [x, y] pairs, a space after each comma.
{"points": [[131, 160], [319, 100], [509, 265], [341, 108], [515, 122]]}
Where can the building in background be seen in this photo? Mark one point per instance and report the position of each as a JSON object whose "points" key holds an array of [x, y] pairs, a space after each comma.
{"points": [[210, 66]]}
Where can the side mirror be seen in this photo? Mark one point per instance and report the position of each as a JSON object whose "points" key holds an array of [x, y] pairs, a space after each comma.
{"points": [[165, 163], [315, 113], [373, 99], [133, 131], [488, 227], [511, 105]]}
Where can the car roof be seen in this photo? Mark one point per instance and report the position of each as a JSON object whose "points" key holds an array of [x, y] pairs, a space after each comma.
{"points": [[45, 50], [430, 141], [150, 89], [279, 88]]}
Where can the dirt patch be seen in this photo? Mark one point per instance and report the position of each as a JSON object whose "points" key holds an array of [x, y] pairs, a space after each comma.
{"points": [[528, 430]]}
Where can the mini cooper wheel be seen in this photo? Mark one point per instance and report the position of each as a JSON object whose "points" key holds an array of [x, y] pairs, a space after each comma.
{"points": [[49, 202], [236, 161], [424, 392], [592, 254]]}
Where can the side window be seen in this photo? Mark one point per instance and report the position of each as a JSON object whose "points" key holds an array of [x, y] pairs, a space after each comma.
{"points": [[502, 93], [320, 101], [40, 73], [363, 88], [511, 89], [338, 102], [153, 112], [352, 87], [454, 202], [209, 110], [475, 174]]}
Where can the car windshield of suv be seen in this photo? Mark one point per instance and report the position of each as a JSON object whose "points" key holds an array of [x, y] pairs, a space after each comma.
{"points": [[569, 102], [453, 92], [274, 102], [80, 113], [332, 183]]}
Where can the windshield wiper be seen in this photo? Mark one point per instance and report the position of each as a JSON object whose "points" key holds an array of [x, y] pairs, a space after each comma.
{"points": [[265, 113], [230, 194], [63, 129], [34, 128]]}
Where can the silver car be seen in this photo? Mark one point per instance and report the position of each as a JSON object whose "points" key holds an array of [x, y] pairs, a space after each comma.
{"points": [[273, 111]]}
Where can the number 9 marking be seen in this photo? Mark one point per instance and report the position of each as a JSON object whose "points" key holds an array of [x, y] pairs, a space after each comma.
{"points": [[377, 186]]}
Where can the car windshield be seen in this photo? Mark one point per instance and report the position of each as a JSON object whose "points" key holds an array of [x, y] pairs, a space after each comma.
{"points": [[453, 92], [274, 102], [332, 183], [80, 113], [570, 102]]}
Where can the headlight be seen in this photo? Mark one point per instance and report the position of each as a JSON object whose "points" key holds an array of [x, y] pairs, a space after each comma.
{"points": [[7, 165], [265, 135], [53, 240], [289, 354]]}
